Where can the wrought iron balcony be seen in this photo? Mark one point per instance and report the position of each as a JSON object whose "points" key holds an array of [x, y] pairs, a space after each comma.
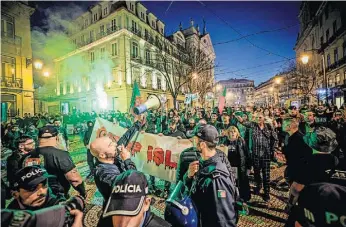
{"points": [[10, 38]]}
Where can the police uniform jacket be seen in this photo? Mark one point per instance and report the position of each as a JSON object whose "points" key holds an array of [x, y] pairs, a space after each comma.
{"points": [[214, 193]]}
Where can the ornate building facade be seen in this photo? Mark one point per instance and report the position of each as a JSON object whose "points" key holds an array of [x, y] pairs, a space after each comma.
{"points": [[322, 41], [238, 91], [116, 45], [17, 93]]}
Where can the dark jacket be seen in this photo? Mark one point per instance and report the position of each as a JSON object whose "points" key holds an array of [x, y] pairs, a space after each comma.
{"points": [[238, 156], [151, 220], [297, 154], [213, 193], [14, 163], [190, 155], [318, 169], [87, 135], [106, 173]]}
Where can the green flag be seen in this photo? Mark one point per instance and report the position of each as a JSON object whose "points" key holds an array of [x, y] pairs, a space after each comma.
{"points": [[222, 100], [135, 94]]}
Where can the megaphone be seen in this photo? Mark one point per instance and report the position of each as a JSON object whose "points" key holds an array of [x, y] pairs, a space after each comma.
{"points": [[153, 102]]}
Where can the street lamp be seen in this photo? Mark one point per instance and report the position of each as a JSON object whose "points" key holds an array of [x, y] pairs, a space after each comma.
{"points": [[278, 80], [218, 87], [305, 60], [46, 74], [38, 65]]}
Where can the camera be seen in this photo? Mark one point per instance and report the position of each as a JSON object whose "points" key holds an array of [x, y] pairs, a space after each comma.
{"points": [[55, 216]]}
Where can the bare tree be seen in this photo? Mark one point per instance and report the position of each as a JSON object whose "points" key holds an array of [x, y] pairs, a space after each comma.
{"points": [[183, 67], [304, 79]]}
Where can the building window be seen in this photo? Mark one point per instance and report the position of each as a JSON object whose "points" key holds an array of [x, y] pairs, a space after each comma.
{"points": [[105, 11], [344, 49], [321, 40], [147, 56], [114, 24], [158, 83], [85, 23], [75, 42], [132, 7], [336, 56], [134, 50], [114, 49], [142, 15], [8, 68], [153, 24], [334, 27], [134, 26], [7, 26], [102, 50], [162, 31], [92, 57], [95, 17], [327, 35], [326, 13], [328, 60], [82, 39], [102, 29], [91, 35], [337, 79]]}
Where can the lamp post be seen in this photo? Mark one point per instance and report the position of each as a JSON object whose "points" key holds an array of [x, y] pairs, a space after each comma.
{"points": [[305, 60]]}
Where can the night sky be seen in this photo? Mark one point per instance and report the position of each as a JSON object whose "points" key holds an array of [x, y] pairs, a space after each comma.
{"points": [[235, 59]]}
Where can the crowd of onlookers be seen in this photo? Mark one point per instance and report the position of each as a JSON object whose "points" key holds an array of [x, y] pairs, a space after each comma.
{"points": [[230, 146]]}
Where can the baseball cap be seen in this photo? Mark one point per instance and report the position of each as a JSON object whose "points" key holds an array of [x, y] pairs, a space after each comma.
{"points": [[321, 139], [207, 133], [47, 131], [128, 194], [29, 177], [329, 208]]}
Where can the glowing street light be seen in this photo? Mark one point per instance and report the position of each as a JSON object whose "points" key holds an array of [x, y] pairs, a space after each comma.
{"points": [[278, 80], [305, 59], [229, 95], [218, 87], [46, 74], [38, 65]]}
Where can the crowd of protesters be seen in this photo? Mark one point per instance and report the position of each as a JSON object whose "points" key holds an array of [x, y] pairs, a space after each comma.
{"points": [[310, 140]]}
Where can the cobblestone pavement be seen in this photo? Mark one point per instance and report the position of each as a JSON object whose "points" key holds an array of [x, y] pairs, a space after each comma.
{"points": [[260, 214]]}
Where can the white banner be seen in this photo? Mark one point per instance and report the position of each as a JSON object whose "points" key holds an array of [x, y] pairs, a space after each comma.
{"points": [[152, 154], [155, 155]]}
